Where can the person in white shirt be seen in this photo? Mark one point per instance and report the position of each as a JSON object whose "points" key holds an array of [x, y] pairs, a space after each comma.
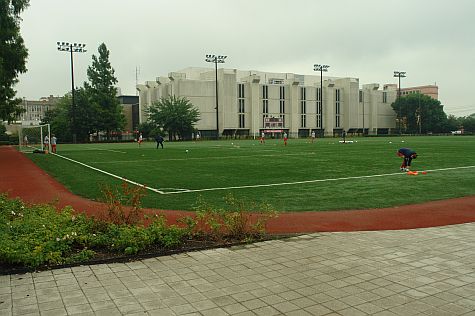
{"points": [[46, 142], [53, 143], [313, 136]]}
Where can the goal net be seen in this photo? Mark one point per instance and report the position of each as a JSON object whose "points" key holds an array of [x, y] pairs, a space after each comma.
{"points": [[32, 138]]}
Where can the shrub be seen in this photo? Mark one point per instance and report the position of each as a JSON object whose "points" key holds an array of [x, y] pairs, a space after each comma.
{"points": [[39, 234], [116, 200], [240, 220]]}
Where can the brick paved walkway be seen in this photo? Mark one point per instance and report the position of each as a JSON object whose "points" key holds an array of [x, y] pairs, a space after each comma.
{"points": [[428, 271]]}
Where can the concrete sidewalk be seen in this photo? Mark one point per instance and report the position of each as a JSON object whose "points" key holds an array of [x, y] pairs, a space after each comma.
{"points": [[427, 271]]}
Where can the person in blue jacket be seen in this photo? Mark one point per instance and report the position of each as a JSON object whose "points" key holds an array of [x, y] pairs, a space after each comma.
{"points": [[407, 154], [159, 140]]}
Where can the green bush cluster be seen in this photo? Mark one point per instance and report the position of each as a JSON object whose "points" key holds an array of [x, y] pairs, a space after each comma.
{"points": [[39, 235]]}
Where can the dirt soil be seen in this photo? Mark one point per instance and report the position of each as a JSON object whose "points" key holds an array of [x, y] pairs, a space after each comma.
{"points": [[20, 177]]}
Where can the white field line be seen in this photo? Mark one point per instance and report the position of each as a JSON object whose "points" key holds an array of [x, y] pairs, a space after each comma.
{"points": [[251, 186], [310, 181], [114, 151], [111, 174], [198, 158]]}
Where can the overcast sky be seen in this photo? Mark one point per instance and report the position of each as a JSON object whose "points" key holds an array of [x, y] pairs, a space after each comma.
{"points": [[433, 41]]}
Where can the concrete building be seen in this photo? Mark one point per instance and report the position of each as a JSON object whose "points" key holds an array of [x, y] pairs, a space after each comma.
{"points": [[429, 90], [251, 102], [130, 109], [35, 110]]}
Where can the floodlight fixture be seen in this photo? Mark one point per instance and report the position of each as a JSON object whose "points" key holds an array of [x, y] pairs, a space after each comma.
{"points": [[72, 48], [321, 68], [216, 59], [399, 75]]}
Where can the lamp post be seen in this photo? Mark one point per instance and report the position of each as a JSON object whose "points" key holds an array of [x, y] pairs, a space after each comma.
{"points": [[321, 68], [72, 48], [216, 59], [399, 74]]}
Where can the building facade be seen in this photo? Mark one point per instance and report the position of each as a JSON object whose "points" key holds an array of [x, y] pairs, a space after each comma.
{"points": [[35, 110], [429, 90], [252, 102]]}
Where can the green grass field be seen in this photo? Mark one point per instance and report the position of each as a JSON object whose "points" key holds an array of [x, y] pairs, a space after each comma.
{"points": [[302, 176]]}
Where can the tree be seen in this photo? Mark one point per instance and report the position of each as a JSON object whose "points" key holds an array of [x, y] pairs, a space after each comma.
{"points": [[148, 129], [13, 54], [175, 115], [468, 123], [453, 123], [421, 113], [60, 117], [102, 93]]}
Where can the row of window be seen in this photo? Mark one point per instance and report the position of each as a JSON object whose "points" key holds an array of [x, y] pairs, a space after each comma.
{"points": [[303, 106]]}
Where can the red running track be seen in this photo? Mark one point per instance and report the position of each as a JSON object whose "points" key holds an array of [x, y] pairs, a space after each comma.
{"points": [[20, 177]]}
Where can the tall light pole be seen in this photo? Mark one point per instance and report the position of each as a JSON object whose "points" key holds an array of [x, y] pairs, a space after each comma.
{"points": [[216, 59], [399, 74], [321, 68], [72, 48]]}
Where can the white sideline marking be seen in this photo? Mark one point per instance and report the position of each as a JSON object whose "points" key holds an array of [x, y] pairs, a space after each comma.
{"points": [[110, 174], [114, 151], [311, 181]]}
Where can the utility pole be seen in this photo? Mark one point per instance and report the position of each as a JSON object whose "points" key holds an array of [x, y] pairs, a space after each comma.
{"points": [[216, 59], [72, 48], [321, 68], [399, 74]]}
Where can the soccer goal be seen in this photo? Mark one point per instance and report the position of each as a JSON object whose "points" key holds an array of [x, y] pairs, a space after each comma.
{"points": [[33, 137]]}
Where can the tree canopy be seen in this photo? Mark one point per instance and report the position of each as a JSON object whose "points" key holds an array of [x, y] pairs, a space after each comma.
{"points": [[96, 106], [420, 114], [103, 93], [13, 54], [175, 115]]}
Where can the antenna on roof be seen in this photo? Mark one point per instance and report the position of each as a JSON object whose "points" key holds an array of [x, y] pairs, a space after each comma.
{"points": [[137, 73]]}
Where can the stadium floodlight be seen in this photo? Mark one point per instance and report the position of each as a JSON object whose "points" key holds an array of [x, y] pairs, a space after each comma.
{"points": [[72, 48], [216, 59], [399, 74], [321, 68]]}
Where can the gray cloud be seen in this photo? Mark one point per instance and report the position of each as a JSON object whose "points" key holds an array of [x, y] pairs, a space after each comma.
{"points": [[367, 39]]}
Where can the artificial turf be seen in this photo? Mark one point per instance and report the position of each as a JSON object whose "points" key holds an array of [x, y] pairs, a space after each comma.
{"points": [[220, 165]]}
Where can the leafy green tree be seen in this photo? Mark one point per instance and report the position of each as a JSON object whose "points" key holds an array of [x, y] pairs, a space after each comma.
{"points": [[421, 113], [174, 115], [102, 93], [3, 129], [468, 123], [453, 123], [148, 129], [60, 117], [13, 54]]}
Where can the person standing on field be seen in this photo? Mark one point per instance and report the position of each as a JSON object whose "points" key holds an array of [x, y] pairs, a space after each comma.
{"points": [[263, 138], [313, 137], [159, 140], [285, 139], [140, 139], [46, 142], [407, 154], [25, 140], [53, 143]]}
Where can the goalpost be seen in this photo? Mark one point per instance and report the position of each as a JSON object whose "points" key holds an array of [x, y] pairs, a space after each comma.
{"points": [[31, 137]]}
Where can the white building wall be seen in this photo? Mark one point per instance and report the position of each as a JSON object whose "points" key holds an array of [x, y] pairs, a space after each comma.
{"points": [[198, 85]]}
